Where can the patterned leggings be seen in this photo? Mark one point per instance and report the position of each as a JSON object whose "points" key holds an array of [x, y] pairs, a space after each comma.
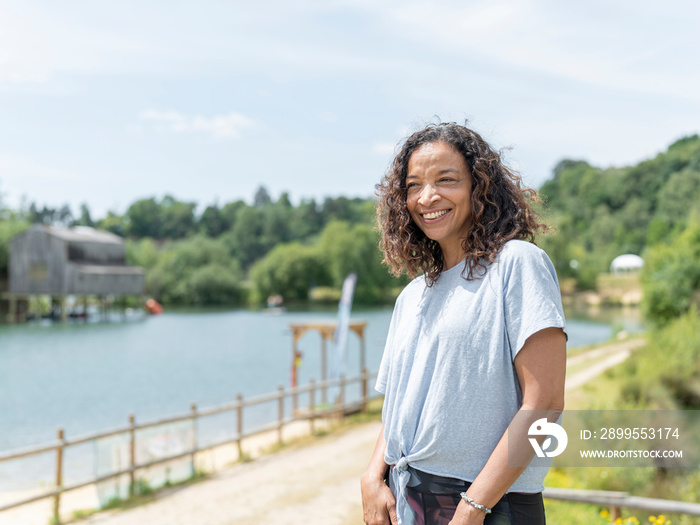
{"points": [[432, 500]]}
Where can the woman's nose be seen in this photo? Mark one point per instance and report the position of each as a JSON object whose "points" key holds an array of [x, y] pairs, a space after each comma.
{"points": [[428, 195]]}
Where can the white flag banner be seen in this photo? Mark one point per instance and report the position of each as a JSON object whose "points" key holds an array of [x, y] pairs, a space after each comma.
{"points": [[340, 337]]}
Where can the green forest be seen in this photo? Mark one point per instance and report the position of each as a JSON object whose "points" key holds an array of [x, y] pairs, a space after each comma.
{"points": [[241, 252], [651, 209]]}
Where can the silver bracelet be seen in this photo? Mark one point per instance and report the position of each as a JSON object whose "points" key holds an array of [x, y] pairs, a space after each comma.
{"points": [[474, 504]]}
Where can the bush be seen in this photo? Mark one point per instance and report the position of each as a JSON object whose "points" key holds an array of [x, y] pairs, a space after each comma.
{"points": [[8, 229], [665, 374], [671, 276], [289, 270], [196, 271]]}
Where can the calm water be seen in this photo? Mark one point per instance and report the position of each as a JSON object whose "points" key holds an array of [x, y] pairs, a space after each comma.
{"points": [[86, 377]]}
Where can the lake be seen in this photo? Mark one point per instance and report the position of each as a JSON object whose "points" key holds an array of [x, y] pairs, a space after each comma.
{"points": [[87, 377]]}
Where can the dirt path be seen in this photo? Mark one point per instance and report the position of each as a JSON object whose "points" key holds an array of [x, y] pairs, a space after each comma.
{"points": [[306, 485], [600, 359]]}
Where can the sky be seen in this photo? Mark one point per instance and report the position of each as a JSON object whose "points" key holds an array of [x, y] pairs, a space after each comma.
{"points": [[106, 103]]}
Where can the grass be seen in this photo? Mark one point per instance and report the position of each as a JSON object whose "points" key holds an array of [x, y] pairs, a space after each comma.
{"points": [[601, 393], [142, 493]]}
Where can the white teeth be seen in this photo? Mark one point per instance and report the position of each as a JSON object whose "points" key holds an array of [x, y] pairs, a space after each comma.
{"points": [[435, 214]]}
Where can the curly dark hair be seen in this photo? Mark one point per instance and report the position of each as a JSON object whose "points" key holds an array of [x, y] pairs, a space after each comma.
{"points": [[501, 208]]}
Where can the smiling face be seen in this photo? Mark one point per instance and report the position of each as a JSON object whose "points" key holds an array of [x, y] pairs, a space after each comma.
{"points": [[438, 197]]}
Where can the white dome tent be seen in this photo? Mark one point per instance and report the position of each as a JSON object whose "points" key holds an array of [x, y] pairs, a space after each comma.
{"points": [[626, 264]]}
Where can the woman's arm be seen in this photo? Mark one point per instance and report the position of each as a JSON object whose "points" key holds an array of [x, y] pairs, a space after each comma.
{"points": [[541, 369], [378, 502]]}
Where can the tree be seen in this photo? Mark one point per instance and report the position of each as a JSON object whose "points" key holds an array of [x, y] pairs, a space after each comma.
{"points": [[306, 220], [8, 229], [353, 249], [679, 195], [215, 284], [85, 219], [196, 271], [167, 219], [229, 212], [671, 276], [276, 225], [143, 219], [245, 240], [64, 215], [114, 223], [631, 229], [176, 218], [51, 216], [142, 252], [262, 197], [211, 222], [284, 201], [289, 270]]}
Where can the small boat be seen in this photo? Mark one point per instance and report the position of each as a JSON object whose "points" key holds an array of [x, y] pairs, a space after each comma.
{"points": [[153, 307], [274, 305]]}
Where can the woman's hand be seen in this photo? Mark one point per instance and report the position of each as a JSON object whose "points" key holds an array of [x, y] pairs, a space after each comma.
{"points": [[467, 515], [378, 502]]}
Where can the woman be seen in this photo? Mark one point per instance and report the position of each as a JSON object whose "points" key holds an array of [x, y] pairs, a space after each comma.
{"points": [[474, 341]]}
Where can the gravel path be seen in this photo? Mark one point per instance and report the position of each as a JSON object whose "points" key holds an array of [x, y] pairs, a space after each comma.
{"points": [[305, 485], [601, 359]]}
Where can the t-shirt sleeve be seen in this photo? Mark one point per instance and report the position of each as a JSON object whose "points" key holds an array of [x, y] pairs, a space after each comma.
{"points": [[531, 293], [385, 365]]}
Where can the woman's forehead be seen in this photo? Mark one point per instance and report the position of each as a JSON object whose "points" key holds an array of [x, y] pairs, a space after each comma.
{"points": [[435, 155]]}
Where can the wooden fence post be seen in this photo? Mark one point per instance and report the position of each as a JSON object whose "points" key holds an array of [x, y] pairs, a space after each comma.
{"points": [[59, 478], [364, 389], [239, 425], [324, 377], [615, 513], [280, 412], [194, 438], [341, 397], [132, 454], [312, 405]]}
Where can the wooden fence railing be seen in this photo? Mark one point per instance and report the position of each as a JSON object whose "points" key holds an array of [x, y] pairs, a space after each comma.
{"points": [[310, 413], [618, 500]]}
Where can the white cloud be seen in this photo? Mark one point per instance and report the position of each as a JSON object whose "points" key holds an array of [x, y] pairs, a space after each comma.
{"points": [[219, 126]]}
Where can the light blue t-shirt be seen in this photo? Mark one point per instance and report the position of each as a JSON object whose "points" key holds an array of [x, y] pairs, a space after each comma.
{"points": [[447, 372]]}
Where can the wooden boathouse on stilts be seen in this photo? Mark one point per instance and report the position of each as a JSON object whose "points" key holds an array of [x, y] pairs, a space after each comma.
{"points": [[59, 262]]}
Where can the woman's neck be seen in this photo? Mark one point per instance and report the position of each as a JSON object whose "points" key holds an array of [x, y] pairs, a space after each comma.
{"points": [[452, 256]]}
